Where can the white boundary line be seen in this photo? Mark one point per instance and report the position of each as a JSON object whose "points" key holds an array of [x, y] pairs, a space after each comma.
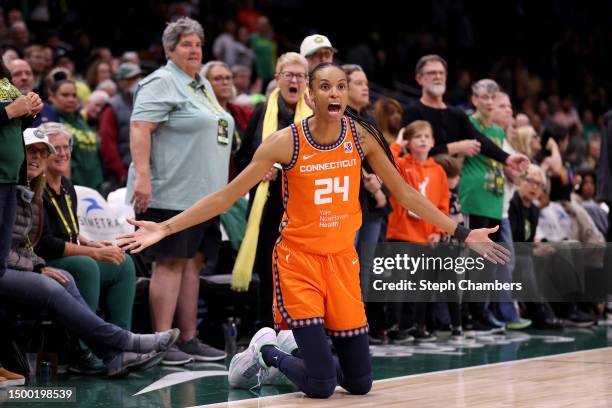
{"points": [[271, 397], [492, 364]]}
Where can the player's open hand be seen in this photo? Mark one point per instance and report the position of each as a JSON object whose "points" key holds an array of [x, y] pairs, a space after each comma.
{"points": [[147, 234], [479, 241]]}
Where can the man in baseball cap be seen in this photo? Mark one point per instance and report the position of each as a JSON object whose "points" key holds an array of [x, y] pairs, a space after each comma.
{"points": [[317, 49], [115, 125], [128, 70]]}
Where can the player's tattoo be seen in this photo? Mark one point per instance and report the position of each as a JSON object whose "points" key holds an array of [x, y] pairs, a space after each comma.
{"points": [[362, 136]]}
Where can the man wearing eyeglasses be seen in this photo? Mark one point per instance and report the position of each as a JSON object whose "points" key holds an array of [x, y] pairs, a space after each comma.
{"points": [[453, 132]]}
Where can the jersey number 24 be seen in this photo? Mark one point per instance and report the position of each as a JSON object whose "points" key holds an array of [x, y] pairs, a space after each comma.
{"points": [[329, 186]]}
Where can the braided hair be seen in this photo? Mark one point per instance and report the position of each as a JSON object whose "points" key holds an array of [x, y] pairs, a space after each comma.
{"points": [[371, 127]]}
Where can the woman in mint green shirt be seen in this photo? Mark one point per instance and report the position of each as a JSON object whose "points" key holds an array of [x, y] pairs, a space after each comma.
{"points": [[180, 140]]}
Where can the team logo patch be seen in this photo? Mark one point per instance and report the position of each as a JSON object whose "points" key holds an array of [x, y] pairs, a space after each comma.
{"points": [[348, 147]]}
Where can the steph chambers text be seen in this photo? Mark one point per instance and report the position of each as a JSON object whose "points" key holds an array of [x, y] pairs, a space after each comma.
{"points": [[463, 285]]}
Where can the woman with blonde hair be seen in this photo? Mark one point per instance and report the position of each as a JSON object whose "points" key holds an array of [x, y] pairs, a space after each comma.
{"points": [[503, 115], [523, 140], [285, 106]]}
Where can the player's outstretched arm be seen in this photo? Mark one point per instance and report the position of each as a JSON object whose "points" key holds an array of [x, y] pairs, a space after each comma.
{"points": [[277, 148], [411, 199]]}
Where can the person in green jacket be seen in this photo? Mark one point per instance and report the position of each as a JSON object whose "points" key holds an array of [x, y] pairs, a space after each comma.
{"points": [[15, 110]]}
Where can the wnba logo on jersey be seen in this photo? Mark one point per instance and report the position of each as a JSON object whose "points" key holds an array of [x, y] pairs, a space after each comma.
{"points": [[348, 147]]}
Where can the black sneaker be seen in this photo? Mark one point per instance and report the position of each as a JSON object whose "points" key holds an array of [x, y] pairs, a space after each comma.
{"points": [[421, 335], [551, 323], [398, 336], [478, 328], [577, 323], [580, 319], [378, 338], [458, 338], [85, 362], [487, 327], [457, 333]]}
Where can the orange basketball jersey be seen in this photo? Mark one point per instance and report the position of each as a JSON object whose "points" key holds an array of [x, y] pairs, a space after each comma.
{"points": [[321, 191]]}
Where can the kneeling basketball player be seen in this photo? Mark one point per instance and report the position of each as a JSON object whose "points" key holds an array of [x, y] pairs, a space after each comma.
{"points": [[315, 265]]}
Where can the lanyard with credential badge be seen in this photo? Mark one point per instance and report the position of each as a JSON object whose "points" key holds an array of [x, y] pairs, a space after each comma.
{"points": [[61, 215], [222, 123]]}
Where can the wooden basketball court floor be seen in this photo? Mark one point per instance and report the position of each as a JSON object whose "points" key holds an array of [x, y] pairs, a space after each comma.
{"points": [[578, 379], [531, 369]]}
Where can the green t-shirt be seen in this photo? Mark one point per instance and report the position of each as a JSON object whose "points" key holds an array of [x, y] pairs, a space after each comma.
{"points": [[11, 139], [265, 50], [86, 166], [481, 185]]}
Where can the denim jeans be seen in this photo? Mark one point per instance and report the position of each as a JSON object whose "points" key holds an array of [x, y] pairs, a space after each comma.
{"points": [[8, 203], [65, 303], [505, 311]]}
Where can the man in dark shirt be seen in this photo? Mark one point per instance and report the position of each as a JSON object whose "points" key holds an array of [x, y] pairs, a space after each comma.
{"points": [[453, 132]]}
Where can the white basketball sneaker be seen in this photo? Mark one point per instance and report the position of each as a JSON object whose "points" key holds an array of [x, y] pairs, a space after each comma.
{"points": [[247, 369], [286, 341]]}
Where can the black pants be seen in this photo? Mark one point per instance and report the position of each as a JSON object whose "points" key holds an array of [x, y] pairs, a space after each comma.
{"points": [[609, 235], [315, 371]]}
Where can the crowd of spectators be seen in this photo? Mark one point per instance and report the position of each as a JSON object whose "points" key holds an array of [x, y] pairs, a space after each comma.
{"points": [[122, 116]]}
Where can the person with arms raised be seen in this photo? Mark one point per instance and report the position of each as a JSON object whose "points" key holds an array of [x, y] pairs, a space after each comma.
{"points": [[321, 158]]}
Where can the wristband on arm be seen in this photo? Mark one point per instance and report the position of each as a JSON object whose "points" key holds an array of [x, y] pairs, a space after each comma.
{"points": [[461, 233]]}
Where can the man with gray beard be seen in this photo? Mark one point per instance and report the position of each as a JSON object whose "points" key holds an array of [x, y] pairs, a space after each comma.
{"points": [[453, 133]]}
